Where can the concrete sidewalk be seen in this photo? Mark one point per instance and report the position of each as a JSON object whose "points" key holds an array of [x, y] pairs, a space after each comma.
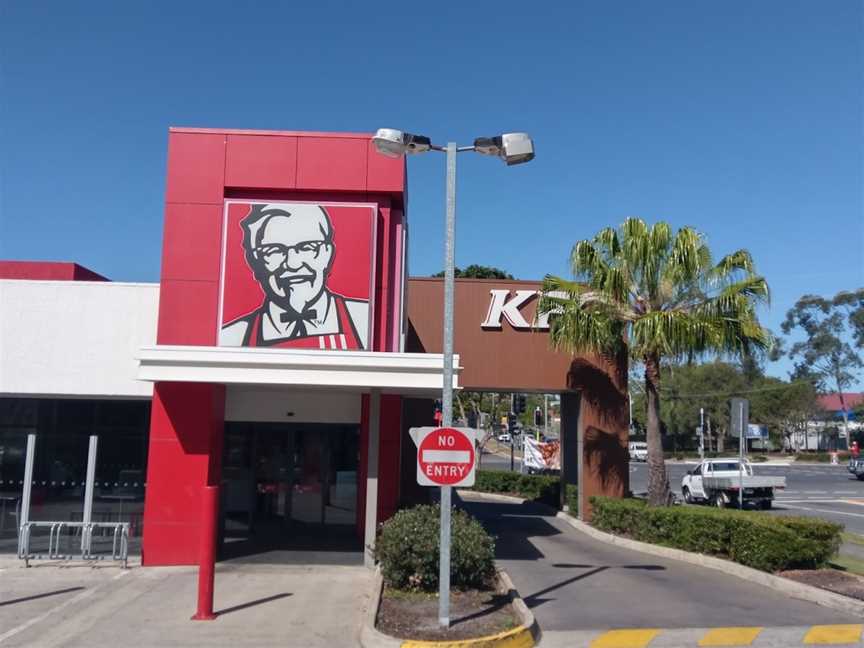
{"points": [[53, 605]]}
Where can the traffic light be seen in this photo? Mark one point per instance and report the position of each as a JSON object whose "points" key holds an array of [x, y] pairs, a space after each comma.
{"points": [[472, 418], [538, 416], [511, 422], [519, 404]]}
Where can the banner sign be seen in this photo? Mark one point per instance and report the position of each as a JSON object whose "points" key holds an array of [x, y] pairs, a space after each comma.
{"points": [[755, 431], [541, 456]]}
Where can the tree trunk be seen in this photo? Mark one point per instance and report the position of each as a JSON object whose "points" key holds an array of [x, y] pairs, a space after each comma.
{"points": [[658, 483]]}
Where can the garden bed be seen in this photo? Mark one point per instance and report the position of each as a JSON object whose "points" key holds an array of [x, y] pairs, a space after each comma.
{"points": [[473, 613], [832, 580]]}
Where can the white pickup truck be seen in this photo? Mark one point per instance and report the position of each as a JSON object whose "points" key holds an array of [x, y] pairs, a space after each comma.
{"points": [[717, 481]]}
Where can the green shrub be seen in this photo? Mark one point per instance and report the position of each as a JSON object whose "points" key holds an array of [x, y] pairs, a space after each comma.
{"points": [[542, 488], [754, 539], [408, 549]]}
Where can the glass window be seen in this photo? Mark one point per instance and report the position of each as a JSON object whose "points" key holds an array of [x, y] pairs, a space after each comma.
{"points": [[63, 428], [725, 466]]}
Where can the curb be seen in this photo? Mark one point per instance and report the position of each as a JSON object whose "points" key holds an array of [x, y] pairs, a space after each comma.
{"points": [[526, 635], [777, 583]]}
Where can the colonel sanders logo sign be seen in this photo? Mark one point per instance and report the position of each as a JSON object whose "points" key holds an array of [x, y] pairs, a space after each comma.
{"points": [[297, 275]]}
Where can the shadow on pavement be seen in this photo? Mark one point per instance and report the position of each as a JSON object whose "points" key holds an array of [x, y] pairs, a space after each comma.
{"points": [[535, 599], [39, 596], [513, 525], [497, 601], [261, 601]]}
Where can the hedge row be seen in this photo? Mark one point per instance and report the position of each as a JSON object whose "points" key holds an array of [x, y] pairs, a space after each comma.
{"points": [[754, 539], [541, 488]]}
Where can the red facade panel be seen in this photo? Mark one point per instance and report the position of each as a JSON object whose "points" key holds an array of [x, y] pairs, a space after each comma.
{"points": [[196, 168], [330, 163], [204, 168], [389, 456], [185, 441], [384, 174], [187, 312], [261, 162], [47, 271], [192, 242]]}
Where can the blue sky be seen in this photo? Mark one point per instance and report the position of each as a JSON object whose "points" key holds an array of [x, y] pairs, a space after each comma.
{"points": [[742, 119]]}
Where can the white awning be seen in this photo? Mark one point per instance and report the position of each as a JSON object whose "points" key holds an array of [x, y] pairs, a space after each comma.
{"points": [[395, 373]]}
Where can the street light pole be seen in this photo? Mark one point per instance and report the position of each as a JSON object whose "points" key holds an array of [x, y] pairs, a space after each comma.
{"points": [[511, 148], [447, 392]]}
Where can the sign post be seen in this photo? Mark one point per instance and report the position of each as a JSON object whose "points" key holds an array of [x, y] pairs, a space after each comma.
{"points": [[445, 458], [740, 419]]}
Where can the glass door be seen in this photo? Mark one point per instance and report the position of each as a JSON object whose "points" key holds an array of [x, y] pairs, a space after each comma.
{"points": [[309, 455]]}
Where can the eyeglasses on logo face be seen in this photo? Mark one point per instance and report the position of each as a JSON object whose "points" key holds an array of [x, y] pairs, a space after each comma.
{"points": [[275, 254]]}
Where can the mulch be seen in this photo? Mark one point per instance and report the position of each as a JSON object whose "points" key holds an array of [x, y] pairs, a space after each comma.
{"points": [[831, 580], [473, 613]]}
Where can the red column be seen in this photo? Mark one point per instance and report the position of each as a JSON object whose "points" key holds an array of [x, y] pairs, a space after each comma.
{"points": [[186, 429], [207, 554]]}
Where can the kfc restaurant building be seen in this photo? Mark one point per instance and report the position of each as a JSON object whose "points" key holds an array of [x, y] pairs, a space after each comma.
{"points": [[282, 357]]}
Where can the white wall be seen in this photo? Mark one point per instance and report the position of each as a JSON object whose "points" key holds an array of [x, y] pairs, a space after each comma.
{"points": [[75, 338], [273, 405]]}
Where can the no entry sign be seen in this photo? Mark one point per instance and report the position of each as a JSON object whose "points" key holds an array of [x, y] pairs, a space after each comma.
{"points": [[445, 456]]}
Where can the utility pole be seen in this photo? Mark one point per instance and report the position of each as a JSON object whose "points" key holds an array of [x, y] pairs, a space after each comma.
{"points": [[546, 415]]}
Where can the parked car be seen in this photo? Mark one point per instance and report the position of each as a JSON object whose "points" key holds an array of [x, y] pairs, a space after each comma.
{"points": [[718, 482], [638, 451]]}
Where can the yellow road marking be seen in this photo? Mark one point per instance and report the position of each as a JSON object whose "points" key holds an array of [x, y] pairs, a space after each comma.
{"points": [[624, 639], [834, 634], [730, 637]]}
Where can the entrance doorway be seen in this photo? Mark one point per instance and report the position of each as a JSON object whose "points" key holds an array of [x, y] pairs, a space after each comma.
{"points": [[290, 489]]}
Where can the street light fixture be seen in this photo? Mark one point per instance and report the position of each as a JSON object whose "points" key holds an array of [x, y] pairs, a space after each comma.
{"points": [[512, 148]]}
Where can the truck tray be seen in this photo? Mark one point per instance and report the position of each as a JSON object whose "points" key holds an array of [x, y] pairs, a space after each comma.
{"points": [[755, 481]]}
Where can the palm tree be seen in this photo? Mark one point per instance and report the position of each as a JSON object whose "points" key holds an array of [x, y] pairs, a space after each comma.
{"points": [[660, 296]]}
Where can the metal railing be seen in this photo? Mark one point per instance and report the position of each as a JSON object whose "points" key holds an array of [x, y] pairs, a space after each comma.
{"points": [[119, 546]]}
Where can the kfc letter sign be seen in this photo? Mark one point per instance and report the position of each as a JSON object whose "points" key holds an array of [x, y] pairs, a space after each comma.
{"points": [[445, 456]]}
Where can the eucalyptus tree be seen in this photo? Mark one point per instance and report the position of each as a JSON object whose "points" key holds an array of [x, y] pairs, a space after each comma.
{"points": [[833, 332], [658, 294]]}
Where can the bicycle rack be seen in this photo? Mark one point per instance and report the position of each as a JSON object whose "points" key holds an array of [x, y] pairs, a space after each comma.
{"points": [[119, 546]]}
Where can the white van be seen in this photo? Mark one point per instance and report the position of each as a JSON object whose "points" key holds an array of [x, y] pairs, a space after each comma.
{"points": [[638, 451]]}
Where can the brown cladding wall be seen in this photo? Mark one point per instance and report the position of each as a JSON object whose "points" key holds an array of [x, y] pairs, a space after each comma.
{"points": [[497, 359], [507, 359]]}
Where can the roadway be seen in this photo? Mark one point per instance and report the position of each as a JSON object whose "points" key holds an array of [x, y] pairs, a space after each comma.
{"points": [[572, 582], [816, 490]]}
